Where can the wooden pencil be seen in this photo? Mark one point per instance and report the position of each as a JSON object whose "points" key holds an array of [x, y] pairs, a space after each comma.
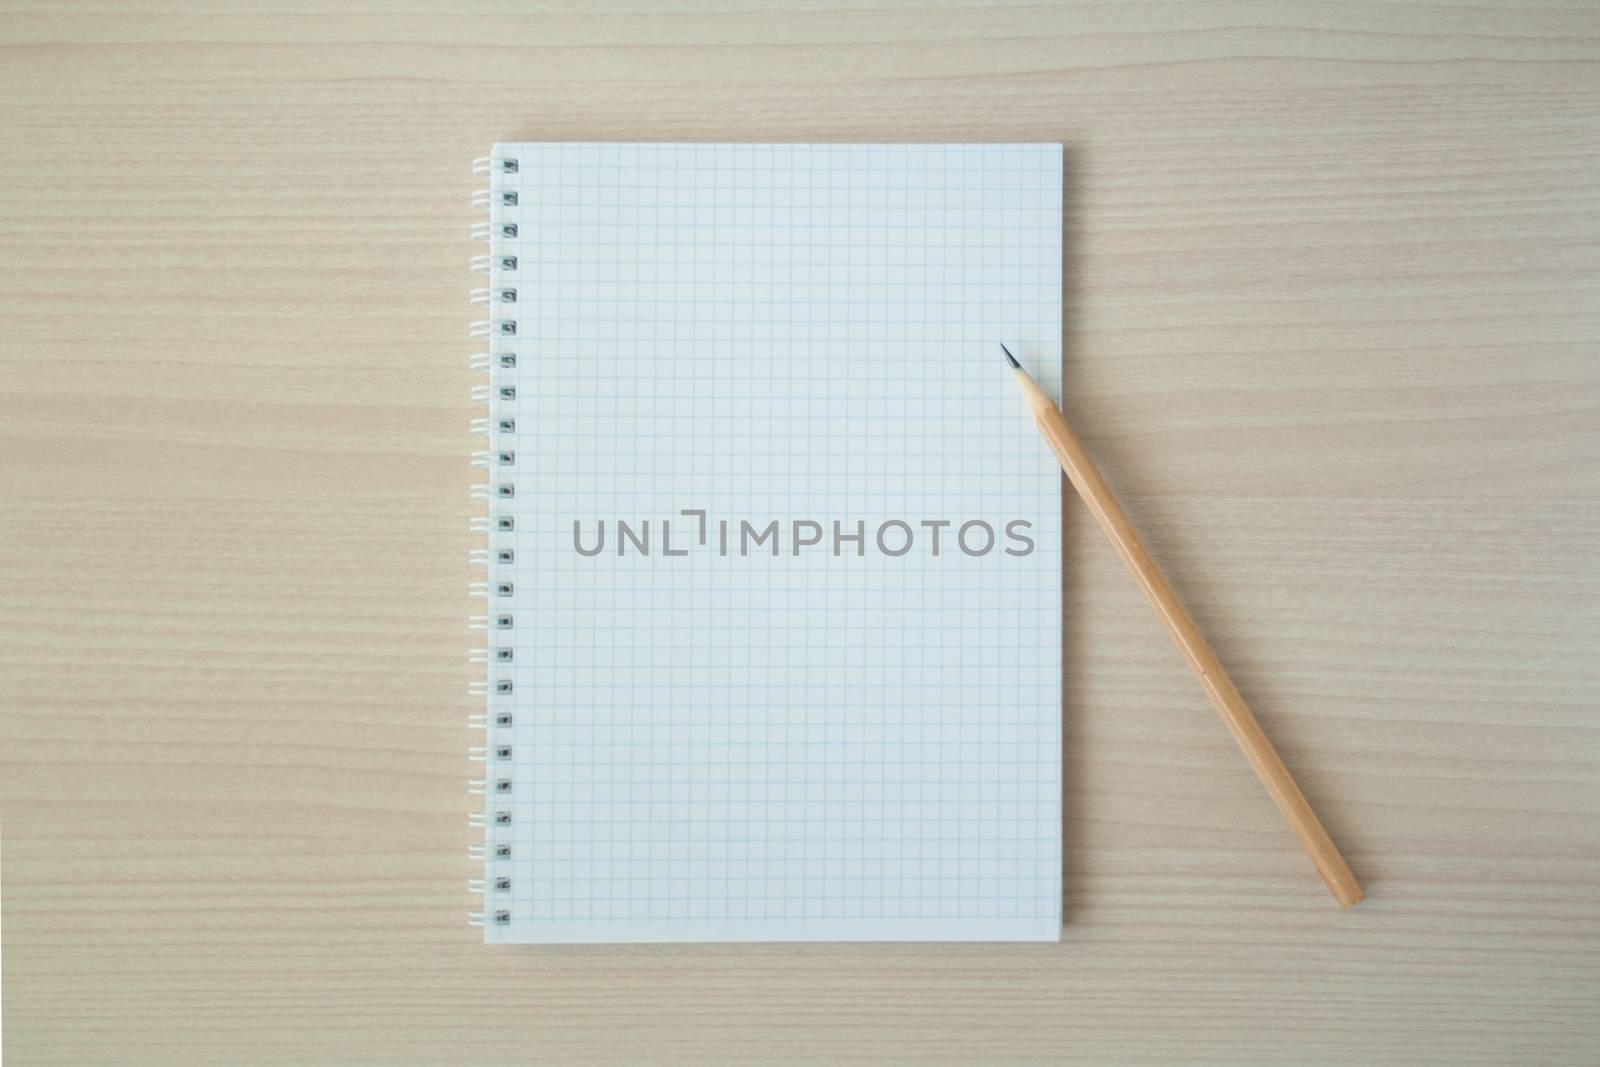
{"points": [[1196, 653]]}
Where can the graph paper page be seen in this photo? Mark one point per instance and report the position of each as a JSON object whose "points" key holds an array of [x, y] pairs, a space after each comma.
{"points": [[775, 638]]}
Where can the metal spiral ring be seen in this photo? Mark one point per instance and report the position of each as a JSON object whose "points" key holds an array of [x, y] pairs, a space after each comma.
{"points": [[494, 392]]}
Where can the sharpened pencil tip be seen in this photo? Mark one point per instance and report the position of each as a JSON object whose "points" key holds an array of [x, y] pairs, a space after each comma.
{"points": [[1010, 358]]}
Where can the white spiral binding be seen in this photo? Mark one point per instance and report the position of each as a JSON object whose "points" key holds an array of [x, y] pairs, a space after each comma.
{"points": [[499, 332]]}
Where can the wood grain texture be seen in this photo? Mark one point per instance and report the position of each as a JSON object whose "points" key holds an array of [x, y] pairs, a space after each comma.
{"points": [[1333, 313]]}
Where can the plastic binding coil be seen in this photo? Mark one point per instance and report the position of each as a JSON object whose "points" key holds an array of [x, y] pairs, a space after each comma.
{"points": [[496, 328]]}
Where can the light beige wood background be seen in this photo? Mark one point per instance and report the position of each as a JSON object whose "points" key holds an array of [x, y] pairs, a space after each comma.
{"points": [[1334, 333]]}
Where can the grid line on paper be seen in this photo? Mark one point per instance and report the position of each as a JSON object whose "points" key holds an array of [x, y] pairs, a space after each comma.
{"points": [[808, 745]]}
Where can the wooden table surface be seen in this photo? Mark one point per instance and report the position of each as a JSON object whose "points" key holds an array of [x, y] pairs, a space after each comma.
{"points": [[1334, 333]]}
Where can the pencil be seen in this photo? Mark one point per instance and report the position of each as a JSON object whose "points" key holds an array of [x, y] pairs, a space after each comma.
{"points": [[1197, 654]]}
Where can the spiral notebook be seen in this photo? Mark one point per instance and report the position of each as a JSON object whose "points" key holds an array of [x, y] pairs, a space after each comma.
{"points": [[773, 550]]}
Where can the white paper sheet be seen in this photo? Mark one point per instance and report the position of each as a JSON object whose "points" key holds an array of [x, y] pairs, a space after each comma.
{"points": [[725, 729]]}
